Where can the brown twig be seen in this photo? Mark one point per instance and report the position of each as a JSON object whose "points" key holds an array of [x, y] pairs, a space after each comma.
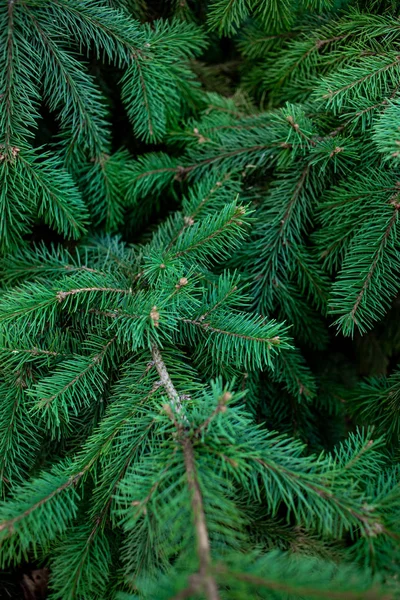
{"points": [[61, 295], [220, 408], [166, 381], [202, 580]]}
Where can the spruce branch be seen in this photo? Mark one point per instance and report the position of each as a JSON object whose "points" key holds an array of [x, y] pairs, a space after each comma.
{"points": [[62, 295], [206, 579], [166, 382], [307, 591], [374, 264], [96, 359], [220, 408], [357, 81], [33, 351], [9, 74], [203, 579], [302, 127], [9, 525], [273, 341], [182, 172], [190, 216], [11, 120], [297, 190], [75, 92]]}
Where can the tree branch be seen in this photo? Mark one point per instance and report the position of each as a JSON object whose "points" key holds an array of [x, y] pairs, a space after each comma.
{"points": [[305, 591], [201, 580], [61, 295], [166, 381], [203, 542], [375, 262]]}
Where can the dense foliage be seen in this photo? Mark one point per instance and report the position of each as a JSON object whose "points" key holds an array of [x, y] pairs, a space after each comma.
{"points": [[198, 318]]}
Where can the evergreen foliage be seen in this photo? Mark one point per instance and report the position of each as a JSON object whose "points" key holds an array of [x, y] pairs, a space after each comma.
{"points": [[199, 392]]}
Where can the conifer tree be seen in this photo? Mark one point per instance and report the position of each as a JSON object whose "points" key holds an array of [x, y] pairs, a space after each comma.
{"points": [[178, 418]]}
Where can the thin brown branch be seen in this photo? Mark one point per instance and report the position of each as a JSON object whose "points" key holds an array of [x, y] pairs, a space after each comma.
{"points": [[83, 268], [166, 381], [114, 314], [203, 579], [61, 295], [33, 351], [220, 408], [203, 542], [104, 313]]}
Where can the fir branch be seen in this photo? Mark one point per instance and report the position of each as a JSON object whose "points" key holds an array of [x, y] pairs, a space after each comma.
{"points": [[190, 218], [33, 351], [374, 263], [349, 295], [19, 65], [62, 295], [294, 197], [202, 579], [183, 171], [236, 219], [90, 124], [9, 74], [82, 560], [306, 591], [356, 82], [166, 381], [206, 580], [144, 93], [57, 207], [95, 360], [10, 524], [220, 408], [273, 341]]}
